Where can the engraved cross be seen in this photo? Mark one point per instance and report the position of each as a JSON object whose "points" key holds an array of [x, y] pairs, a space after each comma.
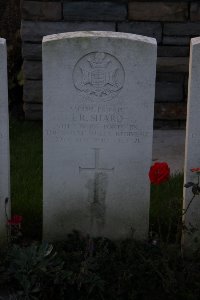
{"points": [[96, 167], [97, 193]]}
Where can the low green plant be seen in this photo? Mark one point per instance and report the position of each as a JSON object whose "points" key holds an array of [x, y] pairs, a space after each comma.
{"points": [[30, 268], [84, 268]]}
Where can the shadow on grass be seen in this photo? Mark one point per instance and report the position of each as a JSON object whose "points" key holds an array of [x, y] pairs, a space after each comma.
{"points": [[26, 174]]}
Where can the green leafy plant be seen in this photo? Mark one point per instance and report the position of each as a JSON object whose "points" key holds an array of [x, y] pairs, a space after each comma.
{"points": [[84, 268], [30, 267]]}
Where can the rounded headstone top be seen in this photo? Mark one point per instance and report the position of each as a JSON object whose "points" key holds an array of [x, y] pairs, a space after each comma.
{"points": [[99, 34], [2, 41], [195, 41]]}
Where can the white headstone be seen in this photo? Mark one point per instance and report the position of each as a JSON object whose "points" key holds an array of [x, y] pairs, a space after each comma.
{"points": [[4, 143], [192, 148], [98, 125]]}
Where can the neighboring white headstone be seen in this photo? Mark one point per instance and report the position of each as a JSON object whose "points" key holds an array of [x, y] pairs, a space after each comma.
{"points": [[98, 124], [4, 143], [191, 237]]}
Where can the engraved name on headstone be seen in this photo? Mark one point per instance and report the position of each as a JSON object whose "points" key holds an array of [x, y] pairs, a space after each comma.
{"points": [[191, 237], [98, 108], [4, 144]]}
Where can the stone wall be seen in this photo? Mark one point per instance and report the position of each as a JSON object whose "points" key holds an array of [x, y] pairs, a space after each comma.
{"points": [[172, 23], [10, 20]]}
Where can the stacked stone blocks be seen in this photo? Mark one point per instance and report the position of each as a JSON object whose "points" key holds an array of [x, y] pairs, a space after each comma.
{"points": [[172, 23]]}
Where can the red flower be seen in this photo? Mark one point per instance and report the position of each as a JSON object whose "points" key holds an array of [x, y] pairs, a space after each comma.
{"points": [[159, 173], [15, 220], [197, 170]]}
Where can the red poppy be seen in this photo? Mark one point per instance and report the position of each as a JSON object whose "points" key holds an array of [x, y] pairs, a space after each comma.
{"points": [[159, 173], [197, 170], [15, 220]]}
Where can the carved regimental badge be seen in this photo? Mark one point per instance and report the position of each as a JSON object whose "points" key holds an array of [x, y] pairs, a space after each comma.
{"points": [[99, 76]]}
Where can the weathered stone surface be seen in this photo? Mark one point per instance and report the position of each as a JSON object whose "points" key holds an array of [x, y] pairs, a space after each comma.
{"points": [[32, 51], [181, 29], [169, 92], [34, 31], [4, 144], [151, 29], [98, 124], [170, 111], [44, 11], [173, 51], [32, 92], [94, 11], [32, 69], [157, 11], [191, 239], [172, 64], [176, 40], [195, 11]]}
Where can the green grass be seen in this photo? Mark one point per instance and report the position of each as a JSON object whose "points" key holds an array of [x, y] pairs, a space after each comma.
{"points": [[26, 186], [166, 208], [26, 174]]}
